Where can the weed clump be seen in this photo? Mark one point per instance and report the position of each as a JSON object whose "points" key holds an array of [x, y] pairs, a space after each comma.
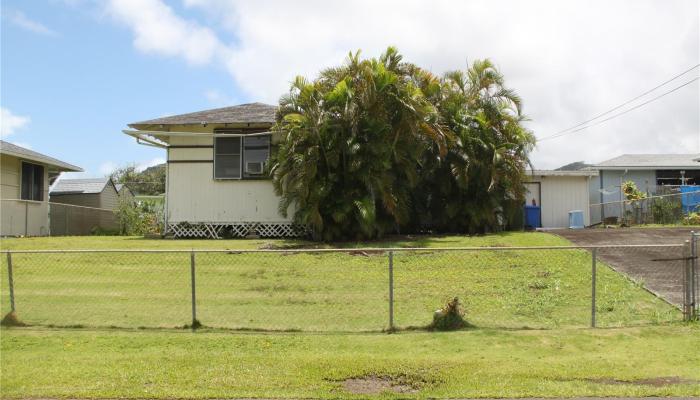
{"points": [[450, 317], [11, 320]]}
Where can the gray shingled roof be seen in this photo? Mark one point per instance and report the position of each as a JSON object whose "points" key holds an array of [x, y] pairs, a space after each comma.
{"points": [[242, 113], [79, 186], [652, 161], [20, 152]]}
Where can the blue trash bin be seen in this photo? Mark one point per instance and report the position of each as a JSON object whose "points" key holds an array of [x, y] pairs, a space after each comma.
{"points": [[576, 219], [533, 217]]}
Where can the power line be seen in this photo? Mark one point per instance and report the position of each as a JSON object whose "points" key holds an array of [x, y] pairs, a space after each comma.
{"points": [[557, 134], [568, 131]]}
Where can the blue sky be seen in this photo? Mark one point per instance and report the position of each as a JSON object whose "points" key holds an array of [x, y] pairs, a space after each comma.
{"points": [[75, 72]]}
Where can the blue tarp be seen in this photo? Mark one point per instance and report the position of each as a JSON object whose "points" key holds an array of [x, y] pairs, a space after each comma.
{"points": [[690, 198]]}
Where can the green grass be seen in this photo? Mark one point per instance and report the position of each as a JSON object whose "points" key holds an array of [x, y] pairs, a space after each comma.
{"points": [[321, 291], [42, 363], [137, 242], [341, 297]]}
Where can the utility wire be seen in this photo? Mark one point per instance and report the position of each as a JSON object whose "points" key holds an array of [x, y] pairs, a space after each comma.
{"points": [[557, 134], [569, 131]]}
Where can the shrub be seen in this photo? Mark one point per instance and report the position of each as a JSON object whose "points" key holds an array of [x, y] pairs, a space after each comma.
{"points": [[450, 317], [139, 218], [631, 192]]}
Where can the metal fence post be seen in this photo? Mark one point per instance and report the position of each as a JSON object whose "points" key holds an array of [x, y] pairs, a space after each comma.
{"points": [[695, 307], [195, 323], [594, 256], [687, 282], [10, 282], [391, 290]]}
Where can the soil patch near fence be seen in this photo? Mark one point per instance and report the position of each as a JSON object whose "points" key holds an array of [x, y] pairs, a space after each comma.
{"points": [[660, 269]]}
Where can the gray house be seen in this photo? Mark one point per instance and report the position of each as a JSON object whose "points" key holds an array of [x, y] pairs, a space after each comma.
{"points": [[83, 206], [97, 193], [654, 174]]}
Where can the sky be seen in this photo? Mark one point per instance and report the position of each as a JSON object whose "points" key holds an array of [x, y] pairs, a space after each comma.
{"points": [[74, 73]]}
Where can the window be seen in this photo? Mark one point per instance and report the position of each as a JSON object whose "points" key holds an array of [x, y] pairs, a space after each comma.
{"points": [[32, 182], [241, 157], [227, 158], [256, 151]]}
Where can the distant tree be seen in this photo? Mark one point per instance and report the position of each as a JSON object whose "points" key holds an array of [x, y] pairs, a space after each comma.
{"points": [[150, 181]]}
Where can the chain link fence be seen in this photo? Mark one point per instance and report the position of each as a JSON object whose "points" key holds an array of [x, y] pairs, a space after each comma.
{"points": [[336, 290], [669, 209]]}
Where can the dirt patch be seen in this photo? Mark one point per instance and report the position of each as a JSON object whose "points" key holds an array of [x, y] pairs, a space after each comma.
{"points": [[655, 382], [373, 384], [659, 268]]}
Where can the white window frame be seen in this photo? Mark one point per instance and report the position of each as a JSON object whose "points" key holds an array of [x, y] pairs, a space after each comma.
{"points": [[240, 160]]}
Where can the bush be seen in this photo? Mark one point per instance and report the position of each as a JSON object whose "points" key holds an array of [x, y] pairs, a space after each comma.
{"points": [[139, 218], [450, 317]]}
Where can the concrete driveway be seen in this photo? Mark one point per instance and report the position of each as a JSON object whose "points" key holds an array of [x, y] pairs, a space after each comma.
{"points": [[660, 269]]}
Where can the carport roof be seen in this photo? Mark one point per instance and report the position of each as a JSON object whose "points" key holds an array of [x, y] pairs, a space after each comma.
{"points": [[652, 161]]}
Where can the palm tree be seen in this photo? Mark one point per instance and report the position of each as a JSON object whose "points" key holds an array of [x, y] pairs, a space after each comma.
{"points": [[352, 142], [481, 176]]}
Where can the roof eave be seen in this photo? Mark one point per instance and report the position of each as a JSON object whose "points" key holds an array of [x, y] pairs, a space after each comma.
{"points": [[63, 167]]}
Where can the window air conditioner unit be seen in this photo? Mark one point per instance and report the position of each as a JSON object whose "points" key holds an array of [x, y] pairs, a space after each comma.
{"points": [[254, 168]]}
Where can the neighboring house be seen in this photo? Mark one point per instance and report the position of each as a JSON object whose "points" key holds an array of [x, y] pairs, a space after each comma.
{"points": [[216, 172], [95, 193], [558, 192], [124, 192], [650, 172], [654, 174], [24, 189], [83, 206]]}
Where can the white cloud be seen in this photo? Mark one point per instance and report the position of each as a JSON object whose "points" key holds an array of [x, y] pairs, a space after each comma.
{"points": [[568, 60], [11, 123], [19, 19], [157, 29], [150, 163]]}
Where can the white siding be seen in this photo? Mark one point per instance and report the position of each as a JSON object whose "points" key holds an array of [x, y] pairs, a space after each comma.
{"points": [[193, 195], [561, 194]]}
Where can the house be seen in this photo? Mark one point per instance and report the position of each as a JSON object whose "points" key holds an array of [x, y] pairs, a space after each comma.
{"points": [[653, 174], [96, 193], [83, 206], [557, 192], [216, 172], [24, 189]]}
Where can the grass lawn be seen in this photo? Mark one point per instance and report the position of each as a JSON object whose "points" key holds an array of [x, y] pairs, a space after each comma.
{"points": [[340, 292], [44, 363], [137, 242], [529, 309]]}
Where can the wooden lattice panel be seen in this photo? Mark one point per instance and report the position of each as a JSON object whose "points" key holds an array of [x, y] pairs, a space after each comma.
{"points": [[239, 229]]}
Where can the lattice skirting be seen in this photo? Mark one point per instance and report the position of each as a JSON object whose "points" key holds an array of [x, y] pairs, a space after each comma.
{"points": [[237, 229]]}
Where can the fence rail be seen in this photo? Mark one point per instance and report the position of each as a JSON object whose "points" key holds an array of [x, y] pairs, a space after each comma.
{"points": [[361, 289]]}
